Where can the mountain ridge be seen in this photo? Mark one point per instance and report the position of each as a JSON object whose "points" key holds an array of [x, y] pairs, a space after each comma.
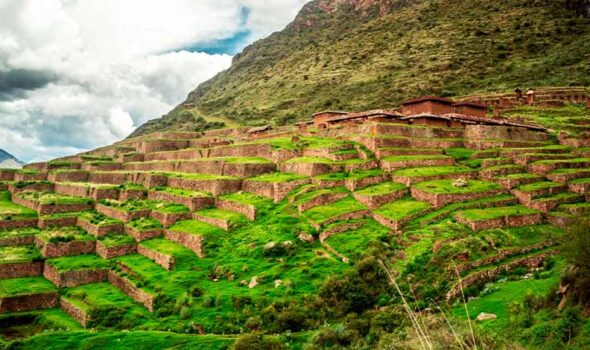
{"points": [[8, 161], [359, 55]]}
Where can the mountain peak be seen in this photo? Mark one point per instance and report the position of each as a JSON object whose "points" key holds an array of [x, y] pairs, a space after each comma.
{"points": [[8, 161]]}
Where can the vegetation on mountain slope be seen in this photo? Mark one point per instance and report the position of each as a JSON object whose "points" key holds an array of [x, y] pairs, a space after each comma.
{"points": [[374, 57]]}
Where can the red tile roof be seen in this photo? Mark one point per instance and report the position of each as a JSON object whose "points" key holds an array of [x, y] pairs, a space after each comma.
{"points": [[427, 98], [329, 112], [375, 112]]}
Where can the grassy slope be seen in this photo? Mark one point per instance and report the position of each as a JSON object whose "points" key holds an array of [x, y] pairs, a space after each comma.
{"points": [[353, 62]]}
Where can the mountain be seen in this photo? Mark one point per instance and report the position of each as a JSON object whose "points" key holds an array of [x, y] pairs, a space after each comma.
{"points": [[8, 161], [363, 54]]}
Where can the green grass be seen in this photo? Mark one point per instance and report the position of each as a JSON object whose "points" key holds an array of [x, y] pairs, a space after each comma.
{"points": [[277, 177], [460, 153], [21, 232], [446, 186], [64, 234], [194, 176], [170, 208], [248, 198], [431, 171], [182, 193], [25, 286], [145, 224], [196, 227], [315, 160], [53, 198], [13, 255], [116, 240], [538, 186], [562, 161], [353, 175], [12, 211], [494, 213], [402, 208], [413, 157], [80, 262], [98, 219], [355, 243], [322, 213], [520, 176], [381, 189], [559, 196], [580, 181], [231, 216], [168, 247]]}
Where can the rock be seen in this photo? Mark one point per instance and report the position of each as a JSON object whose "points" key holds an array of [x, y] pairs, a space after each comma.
{"points": [[269, 245], [306, 237], [253, 282], [287, 243], [278, 283], [484, 316], [243, 282], [460, 182]]}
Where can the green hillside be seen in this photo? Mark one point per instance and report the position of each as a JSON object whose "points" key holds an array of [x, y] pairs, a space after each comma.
{"points": [[385, 51]]}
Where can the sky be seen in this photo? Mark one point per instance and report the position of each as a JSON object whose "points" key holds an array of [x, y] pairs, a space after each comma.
{"points": [[80, 74]]}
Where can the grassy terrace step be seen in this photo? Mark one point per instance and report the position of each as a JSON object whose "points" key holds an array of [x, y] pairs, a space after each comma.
{"points": [[275, 186], [493, 201], [99, 224], [51, 203], [442, 192], [353, 242], [395, 214], [65, 241], [214, 184], [500, 170], [377, 195], [314, 195], [18, 237], [566, 175], [413, 175], [513, 180], [546, 166], [399, 151], [352, 180], [511, 216], [575, 208], [10, 211], [20, 254], [115, 245], [194, 200], [527, 158], [194, 235], [245, 203], [76, 270], [530, 191], [26, 294], [144, 228], [165, 252], [96, 300], [511, 152], [343, 209], [548, 203], [392, 163], [224, 219]]}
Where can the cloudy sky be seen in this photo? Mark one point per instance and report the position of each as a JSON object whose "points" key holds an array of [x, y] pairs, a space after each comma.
{"points": [[79, 74]]}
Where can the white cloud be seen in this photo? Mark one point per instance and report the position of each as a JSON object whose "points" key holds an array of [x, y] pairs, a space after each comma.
{"points": [[96, 69]]}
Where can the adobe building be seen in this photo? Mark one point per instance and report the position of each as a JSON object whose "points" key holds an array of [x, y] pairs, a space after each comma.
{"points": [[259, 131], [302, 126], [427, 104], [471, 109], [377, 115], [428, 119], [320, 119]]}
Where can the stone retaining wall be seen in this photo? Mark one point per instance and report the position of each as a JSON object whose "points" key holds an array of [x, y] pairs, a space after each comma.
{"points": [[390, 166], [74, 278], [396, 225], [47, 222], [546, 206], [528, 196], [125, 216], [327, 183], [113, 252], [356, 184], [25, 177], [491, 274], [439, 200], [490, 173], [75, 312], [245, 150], [17, 241], [111, 178], [221, 223], [412, 131], [512, 183], [24, 269], [13, 224], [581, 188], [215, 186], [126, 195], [354, 215], [247, 210], [193, 203], [542, 169], [7, 174], [169, 219], [163, 145], [507, 221], [101, 230], [564, 178], [190, 241], [376, 201], [144, 235], [483, 132], [166, 261], [101, 167], [176, 155], [339, 229], [48, 209], [276, 191], [57, 250], [35, 186], [322, 199], [29, 302], [308, 169], [131, 290], [410, 180]]}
